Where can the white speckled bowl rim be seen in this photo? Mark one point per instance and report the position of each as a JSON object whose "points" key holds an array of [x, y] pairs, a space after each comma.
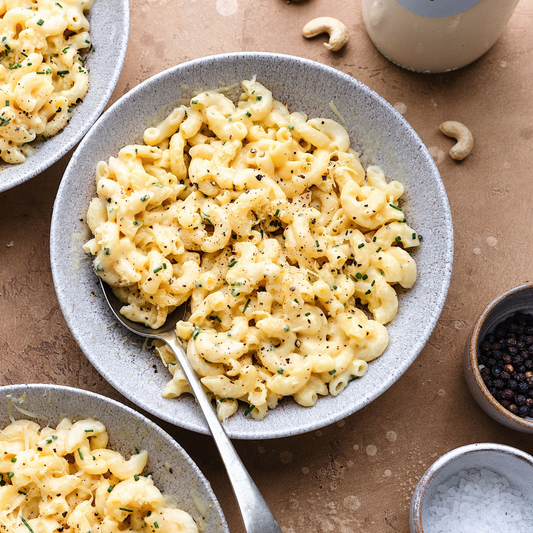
{"points": [[376, 129], [110, 21], [127, 430]]}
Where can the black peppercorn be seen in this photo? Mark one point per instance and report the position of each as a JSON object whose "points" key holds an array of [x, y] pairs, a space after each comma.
{"points": [[513, 408], [523, 386], [497, 370], [512, 384], [508, 394], [498, 383], [524, 411], [520, 399]]}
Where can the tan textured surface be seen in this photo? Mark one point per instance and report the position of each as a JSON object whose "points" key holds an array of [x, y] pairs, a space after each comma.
{"points": [[358, 474]]}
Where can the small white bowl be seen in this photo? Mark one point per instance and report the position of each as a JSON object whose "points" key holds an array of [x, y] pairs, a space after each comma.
{"points": [[517, 299], [174, 472], [513, 464], [110, 21]]}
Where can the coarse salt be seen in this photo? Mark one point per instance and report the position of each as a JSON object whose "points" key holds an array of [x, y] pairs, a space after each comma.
{"points": [[478, 501]]}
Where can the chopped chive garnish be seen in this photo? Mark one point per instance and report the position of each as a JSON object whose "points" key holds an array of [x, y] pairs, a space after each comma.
{"points": [[48, 441], [158, 269], [361, 245], [246, 305], [232, 263], [92, 430], [10, 475], [248, 114], [164, 266], [259, 98], [26, 524], [194, 102], [420, 238], [331, 372], [63, 72], [286, 329], [373, 283], [350, 317], [413, 236], [40, 22], [374, 239], [359, 275], [290, 126], [196, 331], [368, 291], [382, 273], [296, 300], [396, 207], [276, 213], [124, 509], [148, 513], [136, 223], [398, 239], [156, 525], [147, 475], [64, 51], [58, 4], [307, 314], [110, 488], [280, 370], [317, 245], [144, 198], [14, 460], [204, 216], [7, 104], [365, 277], [378, 250], [20, 492], [136, 477], [249, 410]]}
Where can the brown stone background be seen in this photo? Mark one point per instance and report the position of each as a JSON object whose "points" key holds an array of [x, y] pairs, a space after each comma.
{"points": [[358, 474]]}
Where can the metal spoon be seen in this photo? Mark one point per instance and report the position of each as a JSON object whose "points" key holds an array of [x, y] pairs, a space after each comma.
{"points": [[256, 515]]}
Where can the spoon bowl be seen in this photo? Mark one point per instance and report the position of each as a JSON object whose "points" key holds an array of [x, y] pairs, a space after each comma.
{"points": [[256, 514]]}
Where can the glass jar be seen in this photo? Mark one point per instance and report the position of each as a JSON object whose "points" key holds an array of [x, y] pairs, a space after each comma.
{"points": [[435, 35]]}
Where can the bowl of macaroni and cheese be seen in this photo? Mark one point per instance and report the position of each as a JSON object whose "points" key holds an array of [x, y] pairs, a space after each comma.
{"points": [[75, 459], [59, 64], [294, 214]]}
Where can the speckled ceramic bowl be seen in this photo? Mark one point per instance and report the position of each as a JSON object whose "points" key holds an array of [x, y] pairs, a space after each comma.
{"points": [[505, 461], [110, 20], [127, 430], [377, 131], [517, 299]]}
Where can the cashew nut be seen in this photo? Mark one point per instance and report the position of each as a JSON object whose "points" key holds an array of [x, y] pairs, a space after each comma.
{"points": [[465, 141], [338, 33]]}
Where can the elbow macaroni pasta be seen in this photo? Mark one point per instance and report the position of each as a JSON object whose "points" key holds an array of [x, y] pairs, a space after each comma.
{"points": [[267, 225], [66, 479], [42, 75]]}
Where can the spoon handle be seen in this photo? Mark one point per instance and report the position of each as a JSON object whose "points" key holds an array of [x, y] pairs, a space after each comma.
{"points": [[256, 514]]}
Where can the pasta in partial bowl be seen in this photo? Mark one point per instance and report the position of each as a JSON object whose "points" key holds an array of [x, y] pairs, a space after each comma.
{"points": [[59, 64], [79, 461], [280, 230]]}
